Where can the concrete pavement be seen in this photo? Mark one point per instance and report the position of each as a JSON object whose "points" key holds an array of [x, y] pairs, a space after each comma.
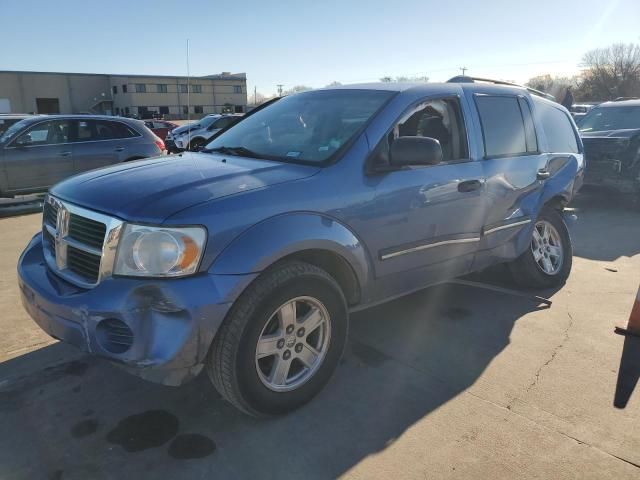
{"points": [[451, 382]]}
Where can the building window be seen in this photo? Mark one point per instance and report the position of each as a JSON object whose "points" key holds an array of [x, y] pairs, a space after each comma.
{"points": [[183, 88], [141, 88], [124, 89], [237, 89], [238, 109], [163, 110], [185, 110], [198, 109], [126, 110], [162, 88], [196, 88], [114, 89], [117, 110]]}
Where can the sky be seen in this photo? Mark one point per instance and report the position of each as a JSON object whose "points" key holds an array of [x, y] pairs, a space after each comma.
{"points": [[312, 43]]}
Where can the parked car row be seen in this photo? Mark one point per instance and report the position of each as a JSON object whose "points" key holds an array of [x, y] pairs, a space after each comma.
{"points": [[161, 127], [40, 150], [245, 259], [195, 136]]}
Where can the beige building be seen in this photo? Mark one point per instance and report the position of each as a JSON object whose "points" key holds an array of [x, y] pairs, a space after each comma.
{"points": [[130, 95]]}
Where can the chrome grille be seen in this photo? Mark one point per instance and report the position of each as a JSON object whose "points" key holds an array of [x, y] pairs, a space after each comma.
{"points": [[49, 214], [85, 264], [86, 230], [79, 244]]}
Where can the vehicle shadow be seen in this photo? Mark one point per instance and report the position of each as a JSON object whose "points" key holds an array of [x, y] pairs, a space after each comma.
{"points": [[88, 419], [604, 215]]}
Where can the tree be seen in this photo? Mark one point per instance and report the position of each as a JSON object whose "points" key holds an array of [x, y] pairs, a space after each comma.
{"points": [[297, 89], [612, 72], [334, 84], [404, 79], [556, 86], [256, 99]]}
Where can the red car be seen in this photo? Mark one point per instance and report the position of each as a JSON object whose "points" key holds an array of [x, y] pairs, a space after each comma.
{"points": [[160, 127]]}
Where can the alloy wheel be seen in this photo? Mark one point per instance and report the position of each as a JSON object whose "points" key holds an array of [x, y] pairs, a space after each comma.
{"points": [[293, 344], [546, 246]]}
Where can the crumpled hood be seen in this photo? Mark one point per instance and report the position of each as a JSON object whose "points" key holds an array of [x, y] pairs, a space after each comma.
{"points": [[185, 128], [154, 189]]}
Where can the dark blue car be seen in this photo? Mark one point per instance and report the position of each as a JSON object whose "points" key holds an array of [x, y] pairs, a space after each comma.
{"points": [[246, 258]]}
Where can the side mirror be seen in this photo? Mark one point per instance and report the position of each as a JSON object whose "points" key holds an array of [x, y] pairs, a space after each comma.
{"points": [[415, 151]]}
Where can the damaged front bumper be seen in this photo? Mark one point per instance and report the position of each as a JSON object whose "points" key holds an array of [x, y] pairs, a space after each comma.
{"points": [[160, 330]]}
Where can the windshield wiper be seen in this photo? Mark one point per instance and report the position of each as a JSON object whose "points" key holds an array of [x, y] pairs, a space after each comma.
{"points": [[235, 151]]}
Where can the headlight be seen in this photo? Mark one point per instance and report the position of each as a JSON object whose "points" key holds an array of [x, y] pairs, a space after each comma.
{"points": [[158, 251]]}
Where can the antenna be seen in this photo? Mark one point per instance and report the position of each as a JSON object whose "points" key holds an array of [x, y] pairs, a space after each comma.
{"points": [[188, 99]]}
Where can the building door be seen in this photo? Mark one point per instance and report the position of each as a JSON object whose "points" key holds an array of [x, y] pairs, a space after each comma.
{"points": [[48, 105]]}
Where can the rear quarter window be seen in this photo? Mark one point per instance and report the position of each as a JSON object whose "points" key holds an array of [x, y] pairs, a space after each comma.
{"points": [[560, 134], [503, 127]]}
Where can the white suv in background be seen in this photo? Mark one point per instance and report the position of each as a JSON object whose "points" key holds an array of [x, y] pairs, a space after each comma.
{"points": [[195, 136]]}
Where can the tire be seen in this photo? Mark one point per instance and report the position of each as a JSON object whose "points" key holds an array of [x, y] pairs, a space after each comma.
{"points": [[196, 144], [531, 270], [253, 385]]}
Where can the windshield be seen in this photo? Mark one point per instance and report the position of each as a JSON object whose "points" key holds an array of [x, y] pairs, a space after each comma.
{"points": [[610, 118], [10, 132], [308, 127]]}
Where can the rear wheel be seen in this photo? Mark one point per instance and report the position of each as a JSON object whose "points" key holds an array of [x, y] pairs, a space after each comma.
{"points": [[281, 341], [547, 261]]}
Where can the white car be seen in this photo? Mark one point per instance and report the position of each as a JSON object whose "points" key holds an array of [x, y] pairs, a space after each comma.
{"points": [[196, 135]]}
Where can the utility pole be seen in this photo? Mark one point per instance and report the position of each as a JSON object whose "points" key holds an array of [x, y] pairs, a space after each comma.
{"points": [[280, 89], [464, 69], [188, 98], [255, 95]]}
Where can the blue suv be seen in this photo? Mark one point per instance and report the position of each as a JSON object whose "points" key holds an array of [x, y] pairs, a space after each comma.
{"points": [[246, 258]]}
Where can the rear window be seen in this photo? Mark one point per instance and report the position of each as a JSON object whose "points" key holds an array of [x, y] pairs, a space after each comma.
{"points": [[558, 129], [503, 127]]}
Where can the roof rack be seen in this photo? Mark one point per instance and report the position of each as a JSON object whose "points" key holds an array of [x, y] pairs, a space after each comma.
{"points": [[467, 79], [622, 99]]}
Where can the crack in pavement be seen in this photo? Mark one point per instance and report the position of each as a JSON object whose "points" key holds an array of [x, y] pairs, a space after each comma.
{"points": [[553, 354], [560, 432]]}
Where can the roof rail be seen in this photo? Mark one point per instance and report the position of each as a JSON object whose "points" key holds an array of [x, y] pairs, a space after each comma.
{"points": [[622, 99], [467, 79]]}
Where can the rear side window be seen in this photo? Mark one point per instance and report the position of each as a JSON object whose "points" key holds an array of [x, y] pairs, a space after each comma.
{"points": [[503, 126], [94, 130], [557, 127], [223, 122]]}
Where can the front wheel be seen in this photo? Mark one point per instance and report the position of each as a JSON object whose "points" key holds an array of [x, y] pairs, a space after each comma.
{"points": [[547, 261], [196, 145], [281, 341]]}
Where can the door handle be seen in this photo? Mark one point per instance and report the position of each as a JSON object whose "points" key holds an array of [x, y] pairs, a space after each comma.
{"points": [[119, 149], [469, 186], [64, 154], [543, 174]]}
